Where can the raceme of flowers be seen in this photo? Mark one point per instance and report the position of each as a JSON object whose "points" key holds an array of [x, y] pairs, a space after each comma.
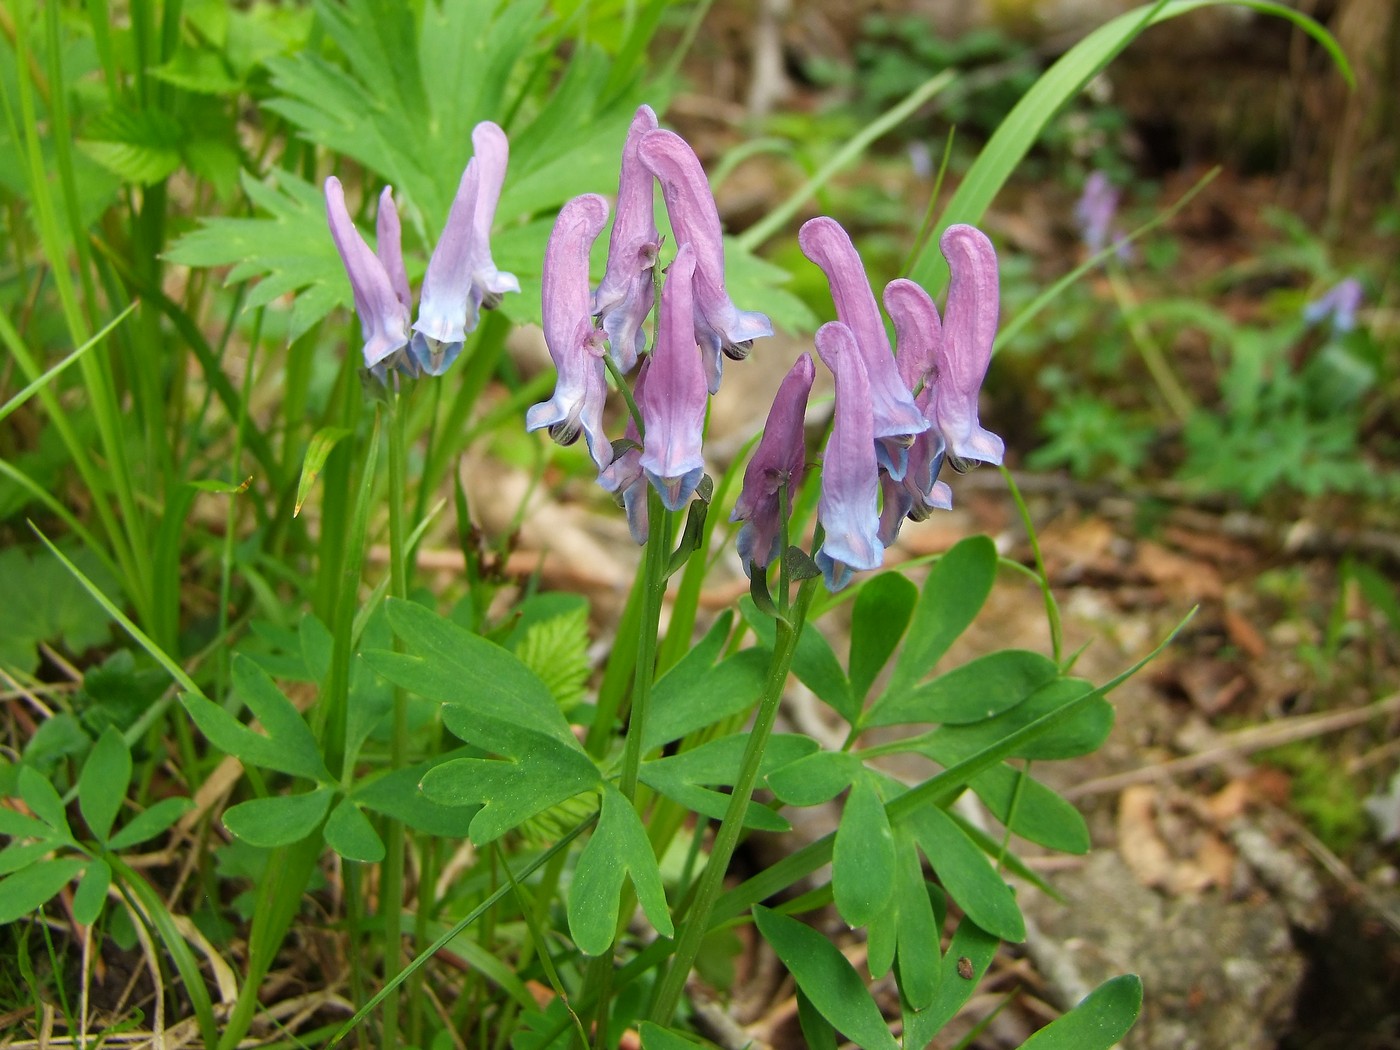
{"points": [[900, 412]]}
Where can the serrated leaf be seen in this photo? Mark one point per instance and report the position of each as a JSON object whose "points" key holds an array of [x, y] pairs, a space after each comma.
{"points": [[827, 979], [618, 849], [25, 890], [136, 145], [278, 820], [556, 650], [966, 874], [1098, 1022], [863, 858], [91, 893], [349, 832], [149, 823], [318, 450], [103, 783], [978, 690]]}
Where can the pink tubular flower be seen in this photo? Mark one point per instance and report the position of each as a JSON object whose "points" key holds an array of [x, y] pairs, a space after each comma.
{"points": [[962, 357], [625, 296], [623, 476], [778, 464], [674, 409], [896, 418], [721, 328], [849, 505], [574, 344], [461, 278], [380, 299]]}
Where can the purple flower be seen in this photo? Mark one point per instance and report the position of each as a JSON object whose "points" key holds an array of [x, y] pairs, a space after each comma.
{"points": [[849, 505], [1340, 303], [462, 278], [1095, 212], [380, 300], [574, 344], [674, 409], [623, 476], [777, 465], [896, 418], [625, 296], [918, 338], [720, 326], [963, 354]]}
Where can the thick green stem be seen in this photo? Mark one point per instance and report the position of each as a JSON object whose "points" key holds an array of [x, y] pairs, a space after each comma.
{"points": [[697, 920]]}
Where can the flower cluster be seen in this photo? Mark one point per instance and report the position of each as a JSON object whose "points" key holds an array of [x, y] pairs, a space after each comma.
{"points": [[698, 324], [461, 279]]}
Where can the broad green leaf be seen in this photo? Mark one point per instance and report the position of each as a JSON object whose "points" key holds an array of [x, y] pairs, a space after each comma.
{"points": [[862, 859], [443, 662], [43, 801], [22, 854], [815, 778], [814, 663], [966, 874], [20, 825], [816, 1029], [317, 646], [879, 618], [25, 890], [44, 602], [827, 979], [952, 596], [689, 776], [149, 823], [1079, 734], [973, 948], [618, 849], [103, 783], [690, 697], [397, 795], [280, 719], [535, 773], [91, 893], [1097, 1023], [296, 754], [920, 962], [279, 820], [318, 450], [349, 833], [974, 692], [1042, 816]]}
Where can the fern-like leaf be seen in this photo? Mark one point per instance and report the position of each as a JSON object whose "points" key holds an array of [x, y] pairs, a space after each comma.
{"points": [[557, 651]]}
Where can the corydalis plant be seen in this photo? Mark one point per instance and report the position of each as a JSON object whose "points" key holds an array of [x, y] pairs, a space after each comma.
{"points": [[461, 278]]}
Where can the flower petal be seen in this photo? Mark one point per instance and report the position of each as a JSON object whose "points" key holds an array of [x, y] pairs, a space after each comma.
{"points": [[383, 316], [969, 329], [626, 295], [721, 328]]}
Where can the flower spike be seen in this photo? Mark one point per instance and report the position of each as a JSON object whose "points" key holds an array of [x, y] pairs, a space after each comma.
{"points": [[461, 278], [779, 462], [721, 328], [848, 509], [969, 329], [674, 410], [626, 295], [383, 313], [574, 344], [896, 418]]}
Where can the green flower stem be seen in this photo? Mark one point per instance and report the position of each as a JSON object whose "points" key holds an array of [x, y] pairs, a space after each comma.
{"points": [[653, 590], [391, 887], [697, 920]]}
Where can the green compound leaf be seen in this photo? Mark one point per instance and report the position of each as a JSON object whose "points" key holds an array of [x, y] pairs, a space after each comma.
{"points": [[1042, 816], [534, 773], [279, 820], [814, 663], [43, 801], [618, 849], [863, 859], [971, 953], [103, 783], [879, 618], [1079, 734], [1097, 1023], [952, 596], [815, 778], [916, 930], [398, 795], [974, 692], [694, 694], [91, 893], [689, 776], [349, 833], [827, 979], [25, 890], [967, 874], [446, 663], [19, 855], [148, 824]]}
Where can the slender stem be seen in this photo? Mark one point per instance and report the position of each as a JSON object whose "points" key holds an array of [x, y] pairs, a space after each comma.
{"points": [[1173, 393], [653, 589], [697, 922], [391, 887]]}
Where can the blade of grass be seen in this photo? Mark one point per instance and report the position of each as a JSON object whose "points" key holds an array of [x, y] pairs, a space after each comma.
{"points": [[11, 338]]}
